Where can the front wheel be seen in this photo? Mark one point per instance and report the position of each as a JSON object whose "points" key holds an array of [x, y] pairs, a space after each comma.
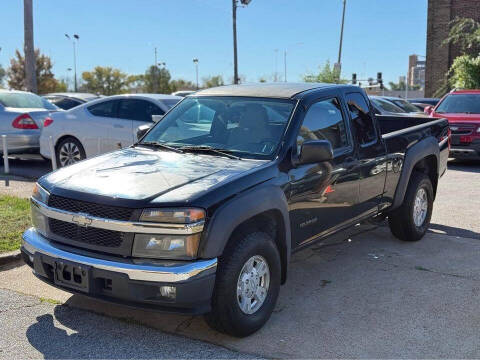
{"points": [[247, 285], [411, 220]]}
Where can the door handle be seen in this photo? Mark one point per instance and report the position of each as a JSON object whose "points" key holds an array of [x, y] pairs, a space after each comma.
{"points": [[118, 126]]}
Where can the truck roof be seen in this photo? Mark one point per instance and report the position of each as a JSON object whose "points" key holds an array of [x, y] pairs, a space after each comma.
{"points": [[268, 90]]}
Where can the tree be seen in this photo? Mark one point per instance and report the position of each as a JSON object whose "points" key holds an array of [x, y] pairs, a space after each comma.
{"points": [[2, 75], [465, 72], [328, 74], [465, 33], [212, 81], [157, 80], [105, 81], [181, 84], [397, 86], [46, 81]]}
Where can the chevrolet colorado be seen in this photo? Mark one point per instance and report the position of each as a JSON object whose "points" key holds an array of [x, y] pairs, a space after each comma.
{"points": [[201, 215]]}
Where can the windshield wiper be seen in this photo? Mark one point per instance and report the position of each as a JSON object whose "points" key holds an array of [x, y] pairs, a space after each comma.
{"points": [[160, 145], [219, 151]]}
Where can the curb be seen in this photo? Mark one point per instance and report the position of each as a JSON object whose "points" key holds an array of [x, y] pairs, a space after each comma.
{"points": [[10, 257]]}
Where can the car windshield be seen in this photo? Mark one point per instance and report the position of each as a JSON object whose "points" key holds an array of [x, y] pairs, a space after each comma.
{"points": [[460, 103], [405, 105], [170, 102], [387, 106], [23, 100], [247, 127]]}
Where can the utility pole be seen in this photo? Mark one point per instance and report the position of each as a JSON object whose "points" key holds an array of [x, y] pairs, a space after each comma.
{"points": [[339, 61], [30, 74], [235, 60]]}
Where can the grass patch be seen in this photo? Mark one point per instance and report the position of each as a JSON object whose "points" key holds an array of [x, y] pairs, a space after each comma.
{"points": [[50, 301], [14, 220]]}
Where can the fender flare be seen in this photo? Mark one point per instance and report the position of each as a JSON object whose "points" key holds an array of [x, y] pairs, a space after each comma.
{"points": [[413, 155], [240, 209]]}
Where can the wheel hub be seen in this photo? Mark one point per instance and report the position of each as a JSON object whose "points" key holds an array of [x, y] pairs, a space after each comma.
{"points": [[69, 154], [420, 207], [252, 284]]}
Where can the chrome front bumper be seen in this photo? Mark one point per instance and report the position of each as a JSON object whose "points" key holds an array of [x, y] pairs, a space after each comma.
{"points": [[153, 271]]}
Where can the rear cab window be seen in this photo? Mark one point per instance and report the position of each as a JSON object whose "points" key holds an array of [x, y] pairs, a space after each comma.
{"points": [[361, 118]]}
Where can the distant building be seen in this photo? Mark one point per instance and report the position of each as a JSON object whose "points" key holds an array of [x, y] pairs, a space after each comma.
{"points": [[416, 72], [440, 58]]}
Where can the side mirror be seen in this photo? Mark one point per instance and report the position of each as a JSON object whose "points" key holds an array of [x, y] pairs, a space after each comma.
{"points": [[142, 130], [428, 110], [314, 151], [157, 118]]}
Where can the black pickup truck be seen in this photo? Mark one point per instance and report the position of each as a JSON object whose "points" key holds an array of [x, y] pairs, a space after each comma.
{"points": [[202, 214]]}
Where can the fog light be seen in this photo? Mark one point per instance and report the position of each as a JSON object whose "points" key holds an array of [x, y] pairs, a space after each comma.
{"points": [[169, 292]]}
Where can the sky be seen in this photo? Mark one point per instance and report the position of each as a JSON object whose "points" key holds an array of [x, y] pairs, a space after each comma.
{"points": [[378, 36]]}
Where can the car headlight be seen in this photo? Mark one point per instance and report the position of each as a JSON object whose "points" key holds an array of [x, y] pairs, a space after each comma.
{"points": [[182, 247], [173, 216], [478, 129], [40, 194]]}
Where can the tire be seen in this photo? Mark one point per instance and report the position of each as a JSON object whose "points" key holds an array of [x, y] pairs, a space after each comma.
{"points": [[227, 316], [69, 151], [402, 220]]}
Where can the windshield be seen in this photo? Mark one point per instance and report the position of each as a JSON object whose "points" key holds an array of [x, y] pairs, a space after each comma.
{"points": [[461, 103], [387, 106], [170, 102], [250, 127], [24, 100], [405, 105]]}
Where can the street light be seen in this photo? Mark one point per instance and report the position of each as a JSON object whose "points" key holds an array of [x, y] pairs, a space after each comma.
{"points": [[74, 41], [285, 59], [160, 73], [195, 61], [234, 18]]}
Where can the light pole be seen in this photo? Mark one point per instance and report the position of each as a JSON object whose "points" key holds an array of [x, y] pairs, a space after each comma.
{"points": [[234, 22], [285, 60], [74, 42], [339, 62], [195, 61], [68, 76], [275, 76], [160, 64], [30, 73]]}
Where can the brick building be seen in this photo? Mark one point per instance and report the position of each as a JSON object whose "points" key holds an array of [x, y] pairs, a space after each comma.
{"points": [[440, 58]]}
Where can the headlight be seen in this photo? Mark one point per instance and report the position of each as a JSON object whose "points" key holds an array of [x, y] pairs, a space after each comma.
{"points": [[174, 216], [182, 247], [478, 129], [40, 194]]}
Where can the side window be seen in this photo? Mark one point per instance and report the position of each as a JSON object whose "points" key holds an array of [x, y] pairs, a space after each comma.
{"points": [[140, 110], [324, 121], [361, 118], [105, 108]]}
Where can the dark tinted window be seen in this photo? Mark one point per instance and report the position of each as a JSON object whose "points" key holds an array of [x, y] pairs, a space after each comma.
{"points": [[141, 110], [324, 121], [105, 108], [461, 103], [65, 103], [361, 118]]}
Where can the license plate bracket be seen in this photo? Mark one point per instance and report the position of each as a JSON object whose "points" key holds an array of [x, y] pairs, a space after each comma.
{"points": [[72, 275]]}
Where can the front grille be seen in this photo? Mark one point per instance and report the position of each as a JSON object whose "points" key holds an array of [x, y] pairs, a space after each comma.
{"points": [[91, 236], [98, 210], [462, 129]]}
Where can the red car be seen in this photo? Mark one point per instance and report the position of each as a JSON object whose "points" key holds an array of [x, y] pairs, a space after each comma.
{"points": [[462, 109]]}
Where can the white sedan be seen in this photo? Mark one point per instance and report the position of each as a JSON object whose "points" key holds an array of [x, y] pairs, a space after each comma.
{"points": [[101, 125]]}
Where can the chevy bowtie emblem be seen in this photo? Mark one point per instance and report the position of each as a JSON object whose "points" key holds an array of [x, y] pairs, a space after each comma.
{"points": [[81, 220], [454, 128]]}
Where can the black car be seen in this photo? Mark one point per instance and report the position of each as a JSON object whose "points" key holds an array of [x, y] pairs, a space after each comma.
{"points": [[202, 215], [69, 100]]}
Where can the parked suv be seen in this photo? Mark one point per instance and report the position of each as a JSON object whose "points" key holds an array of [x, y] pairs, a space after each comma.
{"points": [[462, 109]]}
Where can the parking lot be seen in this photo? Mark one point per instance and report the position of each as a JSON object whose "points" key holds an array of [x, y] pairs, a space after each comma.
{"points": [[368, 295]]}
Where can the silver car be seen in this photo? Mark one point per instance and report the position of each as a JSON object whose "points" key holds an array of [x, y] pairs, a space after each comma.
{"points": [[22, 115]]}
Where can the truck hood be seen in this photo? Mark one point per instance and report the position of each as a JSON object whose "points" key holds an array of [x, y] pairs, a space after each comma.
{"points": [[141, 173], [464, 118]]}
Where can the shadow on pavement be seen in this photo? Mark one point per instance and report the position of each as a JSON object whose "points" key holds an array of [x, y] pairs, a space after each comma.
{"points": [[30, 167], [453, 231], [465, 165]]}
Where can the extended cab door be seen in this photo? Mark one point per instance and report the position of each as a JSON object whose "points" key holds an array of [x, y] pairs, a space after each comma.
{"points": [[370, 151], [324, 195]]}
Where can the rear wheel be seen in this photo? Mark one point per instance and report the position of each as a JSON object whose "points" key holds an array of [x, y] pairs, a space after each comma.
{"points": [[247, 285], [411, 220], [69, 151]]}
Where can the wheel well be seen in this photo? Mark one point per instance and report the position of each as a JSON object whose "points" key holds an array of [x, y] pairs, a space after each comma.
{"points": [[429, 167], [63, 138], [270, 222]]}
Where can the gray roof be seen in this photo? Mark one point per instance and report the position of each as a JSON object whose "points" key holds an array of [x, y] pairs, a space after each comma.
{"points": [[275, 90]]}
